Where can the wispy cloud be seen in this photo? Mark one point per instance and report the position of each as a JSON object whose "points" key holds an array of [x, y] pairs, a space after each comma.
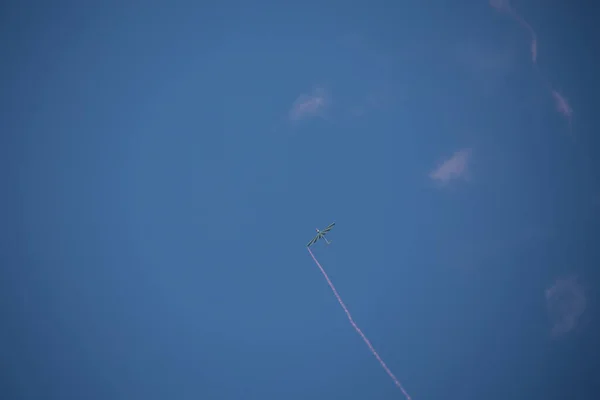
{"points": [[453, 168], [566, 303], [309, 105]]}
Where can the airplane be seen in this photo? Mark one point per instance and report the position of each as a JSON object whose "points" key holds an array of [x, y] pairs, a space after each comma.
{"points": [[321, 234]]}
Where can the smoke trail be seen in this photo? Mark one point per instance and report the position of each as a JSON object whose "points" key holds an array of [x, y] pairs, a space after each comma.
{"points": [[357, 329], [562, 106]]}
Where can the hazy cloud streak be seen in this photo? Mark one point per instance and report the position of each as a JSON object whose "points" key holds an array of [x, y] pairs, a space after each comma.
{"points": [[311, 105], [566, 302], [453, 168]]}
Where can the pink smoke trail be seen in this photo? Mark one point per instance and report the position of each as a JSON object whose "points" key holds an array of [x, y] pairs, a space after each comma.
{"points": [[504, 6], [562, 106], [357, 329]]}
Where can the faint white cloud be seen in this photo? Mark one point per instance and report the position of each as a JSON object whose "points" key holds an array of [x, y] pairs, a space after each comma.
{"points": [[309, 105], [453, 168], [566, 303]]}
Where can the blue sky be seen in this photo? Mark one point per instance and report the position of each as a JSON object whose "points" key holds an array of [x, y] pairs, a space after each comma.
{"points": [[165, 165]]}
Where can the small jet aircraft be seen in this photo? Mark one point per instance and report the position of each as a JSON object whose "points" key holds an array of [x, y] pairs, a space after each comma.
{"points": [[321, 234]]}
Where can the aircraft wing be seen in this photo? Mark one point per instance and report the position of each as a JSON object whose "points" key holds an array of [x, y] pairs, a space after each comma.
{"points": [[328, 228], [314, 240]]}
